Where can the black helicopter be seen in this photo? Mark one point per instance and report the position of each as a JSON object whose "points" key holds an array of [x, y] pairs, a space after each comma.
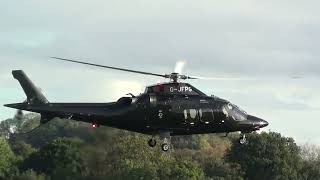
{"points": [[165, 109]]}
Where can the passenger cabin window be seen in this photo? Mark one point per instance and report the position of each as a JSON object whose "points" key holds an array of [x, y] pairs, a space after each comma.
{"points": [[191, 116], [193, 113], [206, 115]]}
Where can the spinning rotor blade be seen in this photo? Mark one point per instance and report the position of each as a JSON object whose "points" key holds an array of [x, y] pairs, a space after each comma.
{"points": [[175, 76], [19, 115], [179, 67], [220, 78], [109, 67]]}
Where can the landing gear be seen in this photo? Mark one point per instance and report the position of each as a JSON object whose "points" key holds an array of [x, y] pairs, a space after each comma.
{"points": [[243, 139], [165, 147], [166, 140], [152, 142]]}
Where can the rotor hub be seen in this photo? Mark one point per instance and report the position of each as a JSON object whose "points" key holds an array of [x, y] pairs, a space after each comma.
{"points": [[174, 77]]}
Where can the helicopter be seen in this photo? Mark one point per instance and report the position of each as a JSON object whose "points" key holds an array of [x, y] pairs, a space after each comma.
{"points": [[166, 109]]}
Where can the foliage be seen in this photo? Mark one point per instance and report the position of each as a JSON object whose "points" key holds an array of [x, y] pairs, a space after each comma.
{"points": [[53, 152], [267, 156], [22, 149], [310, 152], [59, 156], [185, 169], [310, 170], [29, 175], [7, 159]]}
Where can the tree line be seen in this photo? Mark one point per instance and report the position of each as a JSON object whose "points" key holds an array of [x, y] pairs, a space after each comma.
{"points": [[65, 149]]}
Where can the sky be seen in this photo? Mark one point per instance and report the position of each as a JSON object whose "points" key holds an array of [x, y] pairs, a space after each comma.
{"points": [[268, 41]]}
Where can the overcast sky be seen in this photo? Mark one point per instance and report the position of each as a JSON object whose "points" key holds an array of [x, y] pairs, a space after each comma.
{"points": [[269, 40]]}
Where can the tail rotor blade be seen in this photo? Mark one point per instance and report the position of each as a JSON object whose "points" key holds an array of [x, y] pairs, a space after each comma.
{"points": [[19, 115]]}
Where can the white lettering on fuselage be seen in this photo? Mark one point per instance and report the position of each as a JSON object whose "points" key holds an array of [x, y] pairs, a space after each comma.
{"points": [[181, 89], [160, 115]]}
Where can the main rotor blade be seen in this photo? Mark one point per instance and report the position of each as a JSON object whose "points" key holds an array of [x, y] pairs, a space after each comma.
{"points": [[109, 67], [220, 78]]}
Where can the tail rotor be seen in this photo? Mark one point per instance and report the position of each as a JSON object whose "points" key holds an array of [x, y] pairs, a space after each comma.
{"points": [[19, 115]]}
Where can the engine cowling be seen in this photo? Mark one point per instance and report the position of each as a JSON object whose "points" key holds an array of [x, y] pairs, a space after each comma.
{"points": [[125, 100]]}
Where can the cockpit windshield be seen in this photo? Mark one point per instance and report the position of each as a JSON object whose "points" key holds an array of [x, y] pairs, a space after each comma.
{"points": [[237, 113]]}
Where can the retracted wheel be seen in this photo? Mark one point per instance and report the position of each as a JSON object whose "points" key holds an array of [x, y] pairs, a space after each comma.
{"points": [[165, 146], [152, 142]]}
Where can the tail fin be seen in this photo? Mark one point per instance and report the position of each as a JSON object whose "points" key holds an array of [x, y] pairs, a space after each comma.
{"points": [[34, 96]]}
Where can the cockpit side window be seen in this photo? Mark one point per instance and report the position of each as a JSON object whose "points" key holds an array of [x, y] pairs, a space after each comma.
{"points": [[236, 112]]}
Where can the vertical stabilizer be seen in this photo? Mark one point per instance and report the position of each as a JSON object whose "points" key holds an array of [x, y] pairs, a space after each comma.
{"points": [[34, 96]]}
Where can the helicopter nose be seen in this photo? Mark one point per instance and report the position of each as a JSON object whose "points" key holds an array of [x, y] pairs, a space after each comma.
{"points": [[258, 121], [263, 123]]}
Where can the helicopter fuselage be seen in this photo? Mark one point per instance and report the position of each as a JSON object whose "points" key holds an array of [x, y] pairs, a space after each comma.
{"points": [[182, 110], [166, 109]]}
